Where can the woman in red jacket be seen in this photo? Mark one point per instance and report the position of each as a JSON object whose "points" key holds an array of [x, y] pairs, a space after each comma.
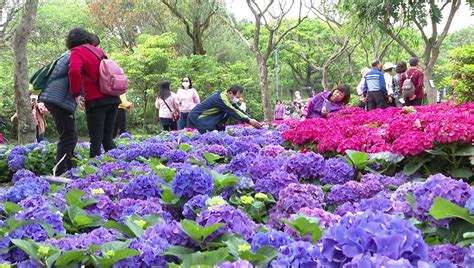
{"points": [[101, 109]]}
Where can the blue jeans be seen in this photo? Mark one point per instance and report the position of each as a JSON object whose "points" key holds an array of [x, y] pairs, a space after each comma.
{"points": [[183, 118]]}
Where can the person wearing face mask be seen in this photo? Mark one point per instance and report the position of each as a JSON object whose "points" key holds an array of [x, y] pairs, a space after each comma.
{"points": [[326, 102], [213, 112], [188, 98]]}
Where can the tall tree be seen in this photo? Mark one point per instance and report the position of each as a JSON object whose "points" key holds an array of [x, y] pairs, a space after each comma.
{"points": [[269, 19], [26, 125], [196, 15], [391, 13], [8, 11]]}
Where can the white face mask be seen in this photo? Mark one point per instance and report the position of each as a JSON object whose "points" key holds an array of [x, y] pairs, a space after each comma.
{"points": [[235, 100], [185, 84]]}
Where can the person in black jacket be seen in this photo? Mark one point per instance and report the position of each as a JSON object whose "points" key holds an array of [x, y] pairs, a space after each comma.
{"points": [[213, 112]]}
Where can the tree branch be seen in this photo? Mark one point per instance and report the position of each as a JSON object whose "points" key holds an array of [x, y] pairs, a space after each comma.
{"points": [[181, 17]]}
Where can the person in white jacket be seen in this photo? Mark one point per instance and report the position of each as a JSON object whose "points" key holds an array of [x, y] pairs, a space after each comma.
{"points": [[387, 73]]}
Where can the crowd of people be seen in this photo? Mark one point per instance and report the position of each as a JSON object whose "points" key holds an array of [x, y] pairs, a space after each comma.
{"points": [[74, 83], [376, 89]]}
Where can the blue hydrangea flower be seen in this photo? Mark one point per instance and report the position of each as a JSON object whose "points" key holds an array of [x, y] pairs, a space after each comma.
{"points": [[126, 207], [142, 187], [298, 254], [379, 203], [22, 173], [176, 156], [470, 204], [306, 166], [377, 260], [456, 191], [191, 181], [15, 161], [241, 162], [274, 181], [25, 187], [469, 257], [235, 221], [170, 231], [337, 171], [262, 166], [97, 236], [236, 264], [271, 238], [452, 253], [197, 203], [372, 233]]}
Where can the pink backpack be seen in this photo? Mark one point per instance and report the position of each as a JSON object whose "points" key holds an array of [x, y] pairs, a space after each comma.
{"points": [[112, 79]]}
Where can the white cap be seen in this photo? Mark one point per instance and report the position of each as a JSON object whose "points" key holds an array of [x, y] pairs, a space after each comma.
{"points": [[388, 65]]}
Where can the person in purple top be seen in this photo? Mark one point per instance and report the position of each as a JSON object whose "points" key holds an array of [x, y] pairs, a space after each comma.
{"points": [[326, 102], [280, 110]]}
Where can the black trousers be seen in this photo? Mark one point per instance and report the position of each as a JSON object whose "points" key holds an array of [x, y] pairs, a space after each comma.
{"points": [[66, 127], [101, 122], [376, 99], [168, 124], [414, 102], [120, 122]]}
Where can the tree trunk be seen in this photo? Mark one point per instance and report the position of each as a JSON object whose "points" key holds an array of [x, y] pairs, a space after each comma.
{"points": [[325, 80], [263, 75], [431, 92], [26, 125], [198, 47]]}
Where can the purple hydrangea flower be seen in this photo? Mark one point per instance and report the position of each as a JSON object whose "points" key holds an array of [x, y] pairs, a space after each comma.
{"points": [[197, 203], [372, 233], [345, 208], [235, 221], [337, 171], [236, 264], [272, 150], [22, 173], [379, 203], [298, 254], [142, 187], [274, 181], [241, 163], [20, 149], [469, 257], [125, 136], [377, 260], [34, 230], [97, 236], [25, 187], [326, 219], [170, 231], [453, 253], [353, 191], [243, 147], [292, 198], [271, 238], [306, 166], [470, 204], [103, 207], [262, 166], [191, 181], [15, 161], [214, 149], [176, 156], [126, 207], [439, 185], [245, 183]]}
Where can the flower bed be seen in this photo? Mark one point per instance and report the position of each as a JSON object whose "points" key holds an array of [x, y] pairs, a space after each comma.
{"points": [[233, 199]]}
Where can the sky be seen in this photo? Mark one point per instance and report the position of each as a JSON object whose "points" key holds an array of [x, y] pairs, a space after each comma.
{"points": [[462, 19]]}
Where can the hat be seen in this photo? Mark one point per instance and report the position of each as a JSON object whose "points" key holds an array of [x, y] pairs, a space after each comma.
{"points": [[388, 65]]}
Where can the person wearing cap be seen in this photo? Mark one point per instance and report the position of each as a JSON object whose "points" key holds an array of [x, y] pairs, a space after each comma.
{"points": [[213, 112], [375, 90], [388, 69], [167, 105]]}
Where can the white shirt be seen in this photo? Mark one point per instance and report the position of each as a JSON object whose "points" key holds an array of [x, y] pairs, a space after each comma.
{"points": [[388, 83]]}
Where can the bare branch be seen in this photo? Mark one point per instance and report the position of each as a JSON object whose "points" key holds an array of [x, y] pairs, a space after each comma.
{"points": [[454, 8]]}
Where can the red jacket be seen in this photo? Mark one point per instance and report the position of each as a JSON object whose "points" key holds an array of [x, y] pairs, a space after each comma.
{"points": [[84, 72], [417, 79]]}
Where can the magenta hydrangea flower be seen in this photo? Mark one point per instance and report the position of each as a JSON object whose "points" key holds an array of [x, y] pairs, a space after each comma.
{"points": [[235, 221]]}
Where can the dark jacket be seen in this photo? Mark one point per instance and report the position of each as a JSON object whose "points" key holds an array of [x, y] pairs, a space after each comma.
{"points": [[214, 110], [57, 87]]}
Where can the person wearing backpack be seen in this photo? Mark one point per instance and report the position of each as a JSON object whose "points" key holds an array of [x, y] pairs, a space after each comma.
{"points": [[412, 84], [400, 69], [86, 82], [375, 91], [167, 105]]}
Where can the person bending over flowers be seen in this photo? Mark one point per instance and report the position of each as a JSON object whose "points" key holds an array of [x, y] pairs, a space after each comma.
{"points": [[326, 102]]}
